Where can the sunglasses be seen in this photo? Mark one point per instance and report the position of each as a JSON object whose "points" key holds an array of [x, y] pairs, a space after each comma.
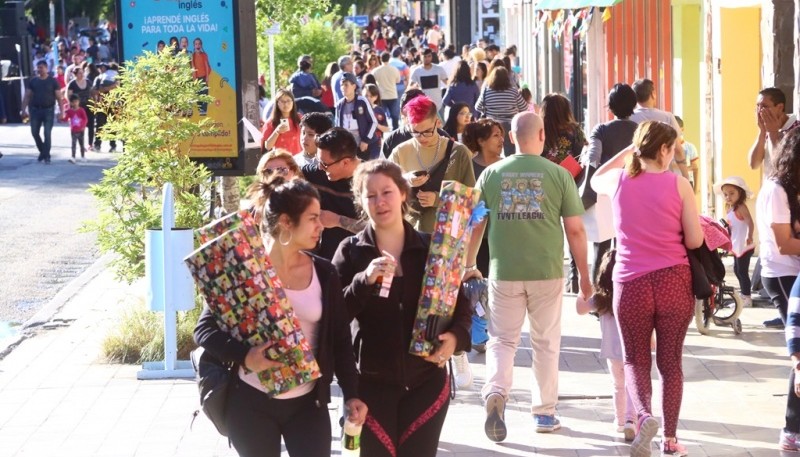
{"points": [[325, 166], [279, 170]]}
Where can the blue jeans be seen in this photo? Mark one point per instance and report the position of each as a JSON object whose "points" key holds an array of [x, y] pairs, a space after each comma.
{"points": [[393, 110], [42, 117]]}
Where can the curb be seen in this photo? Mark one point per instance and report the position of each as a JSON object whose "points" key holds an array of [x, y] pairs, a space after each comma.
{"points": [[46, 313]]}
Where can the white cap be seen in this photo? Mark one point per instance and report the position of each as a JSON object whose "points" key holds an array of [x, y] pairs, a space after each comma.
{"points": [[733, 181]]}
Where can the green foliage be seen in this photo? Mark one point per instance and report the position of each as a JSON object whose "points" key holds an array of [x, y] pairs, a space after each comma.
{"points": [[138, 335], [287, 12], [320, 38], [363, 7], [146, 111]]}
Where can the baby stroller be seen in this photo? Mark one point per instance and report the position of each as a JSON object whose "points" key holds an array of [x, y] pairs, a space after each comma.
{"points": [[723, 307]]}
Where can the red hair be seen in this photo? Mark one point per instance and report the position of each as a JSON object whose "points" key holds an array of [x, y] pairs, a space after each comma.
{"points": [[419, 109]]}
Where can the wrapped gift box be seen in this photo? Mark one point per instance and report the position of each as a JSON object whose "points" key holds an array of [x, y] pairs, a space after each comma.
{"points": [[243, 291], [444, 266]]}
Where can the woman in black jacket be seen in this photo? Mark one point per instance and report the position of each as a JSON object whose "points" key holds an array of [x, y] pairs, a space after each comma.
{"points": [[407, 395], [256, 420]]}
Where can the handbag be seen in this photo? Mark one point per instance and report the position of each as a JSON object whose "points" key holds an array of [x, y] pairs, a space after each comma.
{"points": [[214, 381], [701, 288]]}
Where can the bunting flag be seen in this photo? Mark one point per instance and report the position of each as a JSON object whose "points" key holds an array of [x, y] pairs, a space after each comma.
{"points": [[606, 14]]}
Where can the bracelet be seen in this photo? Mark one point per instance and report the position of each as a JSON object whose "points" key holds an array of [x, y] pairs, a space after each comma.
{"points": [[681, 162], [472, 267]]}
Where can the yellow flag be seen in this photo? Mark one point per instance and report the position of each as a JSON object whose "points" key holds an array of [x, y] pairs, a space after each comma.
{"points": [[607, 14]]}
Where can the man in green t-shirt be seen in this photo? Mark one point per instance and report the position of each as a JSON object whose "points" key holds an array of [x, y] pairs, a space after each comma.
{"points": [[528, 197]]}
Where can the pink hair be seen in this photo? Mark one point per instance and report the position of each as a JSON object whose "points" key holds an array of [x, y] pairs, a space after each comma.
{"points": [[419, 109]]}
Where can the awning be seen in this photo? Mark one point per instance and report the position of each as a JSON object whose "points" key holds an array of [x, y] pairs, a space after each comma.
{"points": [[573, 4]]}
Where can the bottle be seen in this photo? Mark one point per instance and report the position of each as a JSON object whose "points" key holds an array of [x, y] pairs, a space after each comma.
{"points": [[351, 439]]}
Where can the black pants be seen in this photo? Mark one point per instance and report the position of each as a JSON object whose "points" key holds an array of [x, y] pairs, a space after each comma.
{"points": [[778, 290], [404, 423], [792, 407], [741, 268], [101, 119], [77, 140], [89, 123], [257, 423]]}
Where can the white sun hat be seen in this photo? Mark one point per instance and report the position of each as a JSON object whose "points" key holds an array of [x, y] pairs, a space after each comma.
{"points": [[734, 181]]}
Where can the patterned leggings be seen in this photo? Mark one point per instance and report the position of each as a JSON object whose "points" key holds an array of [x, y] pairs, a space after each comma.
{"points": [[660, 300]]}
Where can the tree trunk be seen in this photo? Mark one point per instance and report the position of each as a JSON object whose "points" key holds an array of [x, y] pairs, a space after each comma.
{"points": [[229, 193]]}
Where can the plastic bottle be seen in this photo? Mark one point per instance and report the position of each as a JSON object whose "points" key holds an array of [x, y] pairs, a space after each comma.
{"points": [[351, 439]]}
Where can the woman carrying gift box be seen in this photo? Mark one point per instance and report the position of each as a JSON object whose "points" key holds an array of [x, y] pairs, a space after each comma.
{"points": [[257, 422], [382, 269]]}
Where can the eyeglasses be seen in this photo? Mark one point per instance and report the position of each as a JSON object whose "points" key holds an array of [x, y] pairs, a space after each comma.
{"points": [[426, 133], [325, 166], [279, 170]]}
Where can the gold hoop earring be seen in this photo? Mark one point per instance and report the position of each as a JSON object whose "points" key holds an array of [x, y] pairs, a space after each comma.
{"points": [[280, 238]]}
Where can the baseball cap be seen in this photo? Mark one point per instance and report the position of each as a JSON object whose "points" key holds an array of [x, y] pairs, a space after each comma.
{"points": [[349, 77]]}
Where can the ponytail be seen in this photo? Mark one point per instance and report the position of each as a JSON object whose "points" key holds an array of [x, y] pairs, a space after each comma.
{"points": [[634, 167]]}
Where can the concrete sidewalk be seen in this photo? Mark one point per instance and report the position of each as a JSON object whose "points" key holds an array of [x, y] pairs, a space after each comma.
{"points": [[58, 398]]}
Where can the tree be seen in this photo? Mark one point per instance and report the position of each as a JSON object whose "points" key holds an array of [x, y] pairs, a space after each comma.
{"points": [[288, 12], [320, 38], [147, 112]]}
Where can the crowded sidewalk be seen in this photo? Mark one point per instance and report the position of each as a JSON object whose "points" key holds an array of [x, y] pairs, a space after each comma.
{"points": [[59, 398]]}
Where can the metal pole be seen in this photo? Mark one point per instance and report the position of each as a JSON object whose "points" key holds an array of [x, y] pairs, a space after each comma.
{"points": [[52, 21], [355, 28], [272, 69], [64, 19]]}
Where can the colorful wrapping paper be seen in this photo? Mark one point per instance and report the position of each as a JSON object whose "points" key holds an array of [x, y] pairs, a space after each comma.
{"points": [[444, 266], [243, 291]]}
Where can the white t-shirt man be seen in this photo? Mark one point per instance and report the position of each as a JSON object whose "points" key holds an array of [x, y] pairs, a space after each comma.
{"points": [[768, 155], [430, 80], [772, 207]]}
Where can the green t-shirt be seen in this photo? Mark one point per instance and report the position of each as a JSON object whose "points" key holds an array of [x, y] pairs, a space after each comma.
{"points": [[527, 197]]}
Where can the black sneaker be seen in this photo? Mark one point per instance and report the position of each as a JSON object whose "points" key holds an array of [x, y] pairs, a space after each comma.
{"points": [[774, 323], [495, 426]]}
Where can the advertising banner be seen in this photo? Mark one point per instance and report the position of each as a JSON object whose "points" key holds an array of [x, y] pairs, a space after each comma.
{"points": [[210, 33]]}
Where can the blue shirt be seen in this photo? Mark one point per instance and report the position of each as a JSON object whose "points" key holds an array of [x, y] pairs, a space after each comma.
{"points": [[303, 84]]}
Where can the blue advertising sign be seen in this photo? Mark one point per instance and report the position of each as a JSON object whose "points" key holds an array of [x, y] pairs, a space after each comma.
{"points": [[205, 30], [359, 21]]}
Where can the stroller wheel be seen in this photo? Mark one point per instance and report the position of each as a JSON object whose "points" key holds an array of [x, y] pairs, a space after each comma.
{"points": [[728, 307], [702, 316], [737, 327]]}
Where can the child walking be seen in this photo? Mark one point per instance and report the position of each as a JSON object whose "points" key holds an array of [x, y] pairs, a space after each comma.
{"points": [[76, 116], [611, 343], [735, 192]]}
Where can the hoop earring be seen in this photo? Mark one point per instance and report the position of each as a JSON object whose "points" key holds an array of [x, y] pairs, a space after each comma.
{"points": [[280, 238]]}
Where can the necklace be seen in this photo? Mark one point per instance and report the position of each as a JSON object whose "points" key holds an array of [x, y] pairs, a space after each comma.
{"points": [[435, 156]]}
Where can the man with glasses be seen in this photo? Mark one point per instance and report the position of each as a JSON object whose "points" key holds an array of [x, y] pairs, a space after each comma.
{"points": [[311, 125], [332, 175], [428, 159], [402, 133]]}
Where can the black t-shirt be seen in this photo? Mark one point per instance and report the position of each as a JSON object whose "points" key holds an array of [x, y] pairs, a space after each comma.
{"points": [[85, 94], [335, 196], [44, 92]]}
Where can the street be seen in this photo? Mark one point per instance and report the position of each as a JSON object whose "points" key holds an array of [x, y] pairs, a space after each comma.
{"points": [[42, 208]]}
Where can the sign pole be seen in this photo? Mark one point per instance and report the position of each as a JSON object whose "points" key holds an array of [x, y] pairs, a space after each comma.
{"points": [[355, 28], [272, 67]]}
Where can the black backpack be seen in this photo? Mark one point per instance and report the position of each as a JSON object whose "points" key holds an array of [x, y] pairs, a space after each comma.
{"points": [[214, 380], [707, 268]]}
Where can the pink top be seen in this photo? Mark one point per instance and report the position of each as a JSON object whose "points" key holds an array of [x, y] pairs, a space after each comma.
{"points": [[647, 219]]}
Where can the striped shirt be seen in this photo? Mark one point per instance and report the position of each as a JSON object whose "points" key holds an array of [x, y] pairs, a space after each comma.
{"points": [[500, 105], [793, 320]]}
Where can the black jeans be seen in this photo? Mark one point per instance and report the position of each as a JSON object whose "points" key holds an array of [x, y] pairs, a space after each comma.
{"points": [[77, 140], [257, 423], [792, 407], [778, 290], [101, 119], [42, 117], [89, 123], [741, 267], [407, 422]]}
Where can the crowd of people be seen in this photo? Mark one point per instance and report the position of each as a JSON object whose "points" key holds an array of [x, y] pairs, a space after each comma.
{"points": [[347, 193]]}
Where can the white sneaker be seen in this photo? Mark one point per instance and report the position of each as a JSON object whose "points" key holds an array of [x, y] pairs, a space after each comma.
{"points": [[747, 301], [83, 159], [463, 373], [72, 160]]}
